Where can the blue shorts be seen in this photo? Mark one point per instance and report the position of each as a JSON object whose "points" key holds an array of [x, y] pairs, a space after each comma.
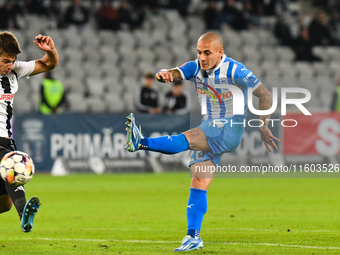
{"points": [[221, 137]]}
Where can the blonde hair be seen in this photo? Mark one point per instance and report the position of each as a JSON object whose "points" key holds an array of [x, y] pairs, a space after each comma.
{"points": [[9, 44]]}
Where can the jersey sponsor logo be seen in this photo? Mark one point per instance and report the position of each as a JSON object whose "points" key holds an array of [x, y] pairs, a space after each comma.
{"points": [[222, 95], [216, 95], [6, 97]]}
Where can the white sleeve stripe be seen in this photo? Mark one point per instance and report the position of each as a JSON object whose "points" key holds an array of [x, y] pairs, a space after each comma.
{"points": [[182, 74], [257, 85], [197, 68], [233, 72]]}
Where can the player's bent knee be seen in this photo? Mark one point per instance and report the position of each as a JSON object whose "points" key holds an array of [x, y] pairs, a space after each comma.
{"points": [[197, 139]]}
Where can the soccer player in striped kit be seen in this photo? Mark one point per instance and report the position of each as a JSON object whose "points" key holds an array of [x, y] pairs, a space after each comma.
{"points": [[207, 142], [11, 70]]}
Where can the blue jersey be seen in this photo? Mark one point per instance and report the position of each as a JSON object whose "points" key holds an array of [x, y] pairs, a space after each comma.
{"points": [[219, 100]]}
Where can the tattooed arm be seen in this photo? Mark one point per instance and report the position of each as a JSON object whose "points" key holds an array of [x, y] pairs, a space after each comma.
{"points": [[265, 103], [167, 76]]}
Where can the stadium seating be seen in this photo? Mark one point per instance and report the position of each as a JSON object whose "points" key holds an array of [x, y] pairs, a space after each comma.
{"points": [[285, 54], [76, 102], [96, 104], [110, 64]]}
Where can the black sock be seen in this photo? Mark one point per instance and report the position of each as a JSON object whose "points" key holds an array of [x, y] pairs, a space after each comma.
{"points": [[17, 194]]}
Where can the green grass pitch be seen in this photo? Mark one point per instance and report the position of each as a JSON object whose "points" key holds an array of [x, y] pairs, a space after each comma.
{"points": [[146, 214]]}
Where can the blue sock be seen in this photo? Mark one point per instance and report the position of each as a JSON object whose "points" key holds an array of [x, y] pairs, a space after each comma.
{"points": [[197, 207], [166, 144]]}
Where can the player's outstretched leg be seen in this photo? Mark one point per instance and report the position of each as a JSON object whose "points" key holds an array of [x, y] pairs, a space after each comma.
{"points": [[30, 209], [164, 144]]}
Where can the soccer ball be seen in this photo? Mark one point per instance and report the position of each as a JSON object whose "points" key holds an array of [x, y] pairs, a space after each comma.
{"points": [[16, 168]]}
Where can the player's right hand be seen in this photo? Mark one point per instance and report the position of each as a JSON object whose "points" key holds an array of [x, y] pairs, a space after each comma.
{"points": [[164, 76]]}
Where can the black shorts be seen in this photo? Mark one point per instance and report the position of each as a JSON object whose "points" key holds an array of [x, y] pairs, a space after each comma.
{"points": [[6, 145]]}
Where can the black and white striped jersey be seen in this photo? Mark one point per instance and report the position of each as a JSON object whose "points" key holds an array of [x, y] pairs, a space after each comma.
{"points": [[8, 88]]}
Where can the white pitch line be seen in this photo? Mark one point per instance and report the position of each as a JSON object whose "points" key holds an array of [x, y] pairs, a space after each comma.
{"points": [[136, 229], [225, 229], [286, 245], [173, 242], [274, 230], [99, 240]]}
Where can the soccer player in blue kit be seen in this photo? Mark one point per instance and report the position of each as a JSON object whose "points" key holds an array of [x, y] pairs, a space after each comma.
{"points": [[208, 142]]}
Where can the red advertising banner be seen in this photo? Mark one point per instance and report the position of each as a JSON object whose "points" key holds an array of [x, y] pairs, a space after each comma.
{"points": [[318, 134]]}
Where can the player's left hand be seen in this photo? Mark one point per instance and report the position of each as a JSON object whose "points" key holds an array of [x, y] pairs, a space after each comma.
{"points": [[44, 42], [268, 138]]}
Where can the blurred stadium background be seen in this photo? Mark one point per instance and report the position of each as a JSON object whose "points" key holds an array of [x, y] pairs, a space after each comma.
{"points": [[100, 70], [144, 213]]}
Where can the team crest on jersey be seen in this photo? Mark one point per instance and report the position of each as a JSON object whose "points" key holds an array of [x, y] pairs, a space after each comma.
{"points": [[11, 79]]}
